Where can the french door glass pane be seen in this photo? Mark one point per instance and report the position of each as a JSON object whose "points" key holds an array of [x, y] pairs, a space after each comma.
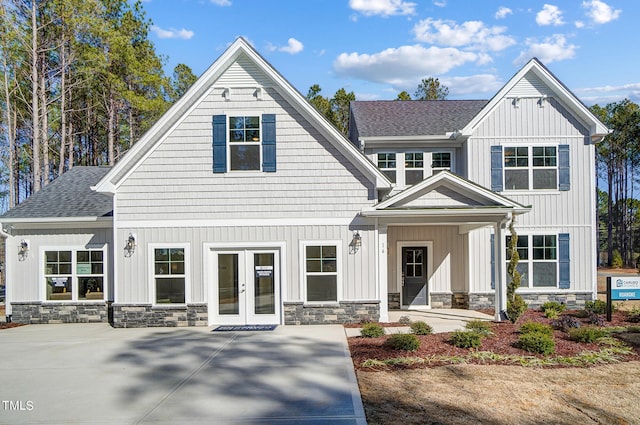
{"points": [[228, 284], [264, 289]]}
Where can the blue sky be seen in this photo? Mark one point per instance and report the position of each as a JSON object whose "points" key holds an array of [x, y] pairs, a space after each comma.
{"points": [[377, 48]]}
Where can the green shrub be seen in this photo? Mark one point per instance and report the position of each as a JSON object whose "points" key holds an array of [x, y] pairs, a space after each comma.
{"points": [[421, 328], [564, 323], [596, 307], [405, 342], [587, 334], [553, 305], [466, 339], [536, 342], [551, 314], [371, 330], [633, 315], [404, 320], [516, 308], [478, 326], [536, 327]]}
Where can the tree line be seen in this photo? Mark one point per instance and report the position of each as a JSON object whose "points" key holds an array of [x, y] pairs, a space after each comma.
{"points": [[81, 82]]}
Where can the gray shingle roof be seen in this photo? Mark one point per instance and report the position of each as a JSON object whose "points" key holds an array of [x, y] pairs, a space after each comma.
{"points": [[69, 195], [413, 117]]}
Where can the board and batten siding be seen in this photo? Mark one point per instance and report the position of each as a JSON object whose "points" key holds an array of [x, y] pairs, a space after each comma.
{"points": [[176, 180], [31, 269], [449, 271], [358, 272]]}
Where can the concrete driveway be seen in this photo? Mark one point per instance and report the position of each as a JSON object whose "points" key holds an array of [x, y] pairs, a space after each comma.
{"points": [[94, 374]]}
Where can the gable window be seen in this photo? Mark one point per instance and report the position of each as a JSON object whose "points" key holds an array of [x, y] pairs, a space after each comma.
{"points": [[321, 272], [244, 142], [441, 161], [538, 265], [387, 164], [169, 275], [530, 168], [74, 275], [414, 165]]}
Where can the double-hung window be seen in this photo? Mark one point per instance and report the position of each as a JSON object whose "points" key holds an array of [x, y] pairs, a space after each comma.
{"points": [[321, 272], [169, 275], [413, 167], [387, 164], [74, 274], [538, 264], [244, 143], [530, 167], [441, 161]]}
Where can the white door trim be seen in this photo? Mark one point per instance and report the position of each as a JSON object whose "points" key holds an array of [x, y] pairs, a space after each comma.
{"points": [[411, 244]]}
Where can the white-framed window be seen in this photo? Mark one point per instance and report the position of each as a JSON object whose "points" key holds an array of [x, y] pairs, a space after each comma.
{"points": [[538, 264], [321, 271], [441, 161], [244, 143], [169, 264], [530, 167], [413, 167], [387, 164], [74, 274]]}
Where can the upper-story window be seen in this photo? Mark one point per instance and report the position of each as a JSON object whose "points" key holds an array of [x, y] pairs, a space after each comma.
{"points": [[414, 166], [387, 164], [244, 143], [530, 168], [441, 161]]}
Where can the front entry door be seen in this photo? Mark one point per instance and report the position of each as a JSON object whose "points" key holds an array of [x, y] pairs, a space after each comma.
{"points": [[414, 277], [245, 287]]}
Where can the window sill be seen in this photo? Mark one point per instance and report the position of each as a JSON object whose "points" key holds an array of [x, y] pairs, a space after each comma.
{"points": [[532, 192], [169, 306], [320, 304]]}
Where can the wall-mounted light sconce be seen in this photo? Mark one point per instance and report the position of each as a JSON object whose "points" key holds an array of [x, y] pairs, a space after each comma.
{"points": [[356, 242], [130, 245], [258, 93], [23, 250]]}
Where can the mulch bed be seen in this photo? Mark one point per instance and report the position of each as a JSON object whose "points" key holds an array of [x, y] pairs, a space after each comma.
{"points": [[4, 325], [505, 335]]}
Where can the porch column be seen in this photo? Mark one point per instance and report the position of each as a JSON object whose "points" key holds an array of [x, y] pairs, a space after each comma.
{"points": [[383, 286], [500, 269]]}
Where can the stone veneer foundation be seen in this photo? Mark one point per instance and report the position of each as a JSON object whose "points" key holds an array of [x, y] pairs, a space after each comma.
{"points": [[38, 312], [298, 313], [147, 316], [573, 300]]}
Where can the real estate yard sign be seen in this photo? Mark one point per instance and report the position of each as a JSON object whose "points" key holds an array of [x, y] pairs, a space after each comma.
{"points": [[621, 289]]}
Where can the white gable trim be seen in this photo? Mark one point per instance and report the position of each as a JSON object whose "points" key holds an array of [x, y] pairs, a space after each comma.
{"points": [[596, 128], [201, 87]]}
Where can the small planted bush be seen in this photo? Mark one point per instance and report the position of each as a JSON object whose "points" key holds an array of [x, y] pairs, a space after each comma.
{"points": [[587, 334], [478, 326], [551, 314], [596, 307], [633, 315], [466, 339], [404, 320], [596, 320], [404, 342], [371, 330], [421, 328], [535, 327], [553, 305], [536, 342], [516, 308], [565, 323]]}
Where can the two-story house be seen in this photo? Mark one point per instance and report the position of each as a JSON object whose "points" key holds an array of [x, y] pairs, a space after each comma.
{"points": [[243, 205]]}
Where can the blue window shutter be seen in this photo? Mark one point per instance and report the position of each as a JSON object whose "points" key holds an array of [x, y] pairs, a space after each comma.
{"points": [[493, 262], [269, 143], [219, 143], [496, 168], [564, 171], [563, 256]]}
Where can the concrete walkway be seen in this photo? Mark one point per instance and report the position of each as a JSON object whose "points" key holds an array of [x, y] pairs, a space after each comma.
{"points": [[441, 320], [94, 374]]}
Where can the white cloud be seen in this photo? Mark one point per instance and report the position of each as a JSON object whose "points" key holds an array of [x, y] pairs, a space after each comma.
{"points": [[293, 47], [608, 94], [474, 84], [551, 49], [183, 34], [549, 15], [579, 24], [503, 12], [402, 66], [600, 12], [383, 7], [221, 2], [473, 34], [441, 3]]}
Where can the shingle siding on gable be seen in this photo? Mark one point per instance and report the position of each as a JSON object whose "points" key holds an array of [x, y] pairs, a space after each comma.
{"points": [[176, 180]]}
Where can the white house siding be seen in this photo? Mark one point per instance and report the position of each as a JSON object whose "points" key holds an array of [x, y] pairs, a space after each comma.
{"points": [[449, 269], [538, 122]]}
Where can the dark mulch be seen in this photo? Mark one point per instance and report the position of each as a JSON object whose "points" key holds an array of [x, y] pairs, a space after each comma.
{"points": [[9, 325], [503, 341]]}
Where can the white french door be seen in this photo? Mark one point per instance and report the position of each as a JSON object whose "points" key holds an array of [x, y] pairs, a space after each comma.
{"points": [[245, 287]]}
